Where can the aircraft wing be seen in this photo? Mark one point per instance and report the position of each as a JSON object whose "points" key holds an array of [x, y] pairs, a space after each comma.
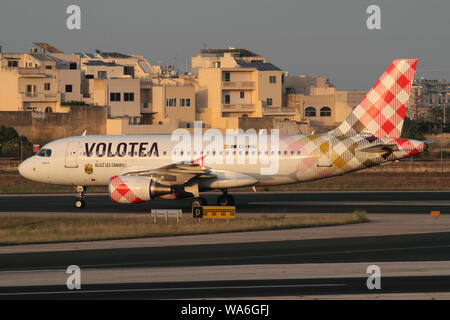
{"points": [[175, 173]]}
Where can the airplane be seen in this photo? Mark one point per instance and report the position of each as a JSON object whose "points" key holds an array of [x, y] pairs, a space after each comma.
{"points": [[138, 168]]}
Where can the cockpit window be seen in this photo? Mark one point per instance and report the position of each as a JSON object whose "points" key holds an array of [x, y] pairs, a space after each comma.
{"points": [[45, 153]]}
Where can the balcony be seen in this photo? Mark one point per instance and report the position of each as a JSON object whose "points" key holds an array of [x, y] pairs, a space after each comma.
{"points": [[31, 72], [238, 108], [39, 97], [147, 107], [238, 85], [146, 84], [279, 111]]}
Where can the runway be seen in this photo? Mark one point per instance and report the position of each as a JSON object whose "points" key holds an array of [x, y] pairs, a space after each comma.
{"points": [[248, 202], [409, 263], [411, 248]]}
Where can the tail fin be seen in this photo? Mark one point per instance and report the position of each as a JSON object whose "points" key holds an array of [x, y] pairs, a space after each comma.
{"points": [[382, 111]]}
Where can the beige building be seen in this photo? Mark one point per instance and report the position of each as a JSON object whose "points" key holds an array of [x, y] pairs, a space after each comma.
{"points": [[114, 64], [39, 80], [320, 104], [139, 99], [226, 86], [171, 107], [234, 83], [121, 96]]}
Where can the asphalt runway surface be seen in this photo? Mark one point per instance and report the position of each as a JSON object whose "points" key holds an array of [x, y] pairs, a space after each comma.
{"points": [[400, 249], [260, 202], [345, 252]]}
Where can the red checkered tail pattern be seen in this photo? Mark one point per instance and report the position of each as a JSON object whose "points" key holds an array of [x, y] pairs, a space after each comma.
{"points": [[382, 111]]}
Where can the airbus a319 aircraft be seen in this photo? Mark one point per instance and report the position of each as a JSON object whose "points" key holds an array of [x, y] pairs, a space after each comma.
{"points": [[139, 168]]}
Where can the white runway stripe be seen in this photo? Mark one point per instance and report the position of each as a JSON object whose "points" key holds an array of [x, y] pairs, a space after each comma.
{"points": [[225, 273]]}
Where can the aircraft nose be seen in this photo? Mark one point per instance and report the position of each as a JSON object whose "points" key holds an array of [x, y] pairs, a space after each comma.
{"points": [[25, 169]]}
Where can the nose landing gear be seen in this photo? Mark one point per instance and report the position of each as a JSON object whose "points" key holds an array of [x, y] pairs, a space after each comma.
{"points": [[80, 203]]}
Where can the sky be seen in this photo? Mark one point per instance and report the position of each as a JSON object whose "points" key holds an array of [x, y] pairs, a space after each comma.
{"points": [[326, 38]]}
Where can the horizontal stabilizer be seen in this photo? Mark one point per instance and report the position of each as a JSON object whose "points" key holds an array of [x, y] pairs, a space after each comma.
{"points": [[380, 148]]}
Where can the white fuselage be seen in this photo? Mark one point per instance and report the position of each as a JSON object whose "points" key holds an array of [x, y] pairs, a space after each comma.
{"points": [[93, 160]]}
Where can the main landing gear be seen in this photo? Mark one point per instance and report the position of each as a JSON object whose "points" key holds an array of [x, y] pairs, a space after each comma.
{"points": [[80, 203], [225, 199], [198, 202]]}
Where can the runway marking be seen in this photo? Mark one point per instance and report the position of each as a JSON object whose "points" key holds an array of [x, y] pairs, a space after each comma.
{"points": [[352, 203], [176, 289], [236, 258]]}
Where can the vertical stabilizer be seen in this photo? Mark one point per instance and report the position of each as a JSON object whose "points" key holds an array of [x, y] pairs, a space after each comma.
{"points": [[382, 111]]}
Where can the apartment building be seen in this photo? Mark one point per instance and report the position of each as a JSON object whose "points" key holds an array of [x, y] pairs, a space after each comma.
{"points": [[428, 99], [316, 101], [224, 87], [39, 80], [115, 64], [234, 83], [237, 83], [139, 100]]}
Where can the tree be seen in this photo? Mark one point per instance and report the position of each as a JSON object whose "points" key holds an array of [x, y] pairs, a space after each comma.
{"points": [[413, 129], [10, 143]]}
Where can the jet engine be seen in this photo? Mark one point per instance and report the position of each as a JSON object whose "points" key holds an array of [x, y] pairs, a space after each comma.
{"points": [[135, 189]]}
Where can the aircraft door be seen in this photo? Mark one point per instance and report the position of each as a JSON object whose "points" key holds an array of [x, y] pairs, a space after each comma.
{"points": [[324, 154], [71, 154]]}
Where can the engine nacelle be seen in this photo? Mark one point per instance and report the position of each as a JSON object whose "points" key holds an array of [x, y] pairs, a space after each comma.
{"points": [[135, 189]]}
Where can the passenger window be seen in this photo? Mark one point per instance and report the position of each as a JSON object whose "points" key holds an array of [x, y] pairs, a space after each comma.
{"points": [[41, 153], [48, 153]]}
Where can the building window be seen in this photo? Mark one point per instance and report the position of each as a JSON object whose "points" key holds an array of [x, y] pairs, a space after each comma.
{"points": [[13, 63], [114, 96], [128, 70], [73, 66], [101, 74], [226, 77], [185, 102], [227, 99], [47, 86], [48, 67], [172, 102], [273, 79], [31, 89], [48, 110], [325, 112], [68, 88], [269, 101], [310, 112], [128, 96], [242, 94]]}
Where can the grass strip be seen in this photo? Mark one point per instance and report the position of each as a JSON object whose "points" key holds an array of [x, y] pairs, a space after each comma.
{"points": [[25, 229]]}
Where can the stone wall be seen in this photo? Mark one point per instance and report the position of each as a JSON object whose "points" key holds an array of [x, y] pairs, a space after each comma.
{"points": [[51, 126], [284, 126]]}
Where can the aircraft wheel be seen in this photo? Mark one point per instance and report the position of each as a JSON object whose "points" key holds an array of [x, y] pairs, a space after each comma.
{"points": [[198, 202], [225, 200], [79, 203]]}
